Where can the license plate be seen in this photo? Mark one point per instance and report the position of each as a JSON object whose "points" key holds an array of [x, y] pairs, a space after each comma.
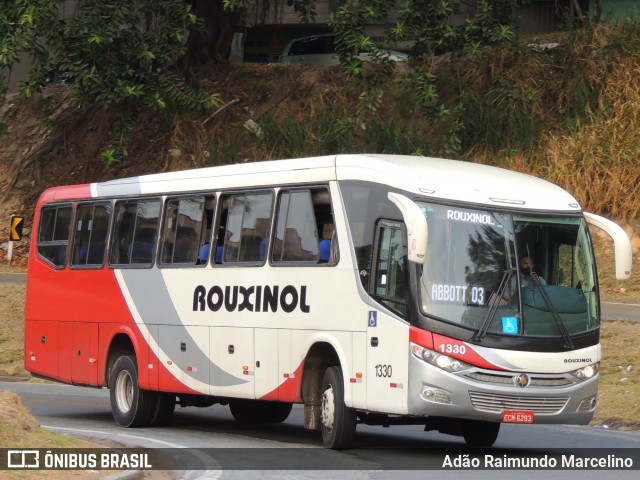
{"points": [[517, 416]]}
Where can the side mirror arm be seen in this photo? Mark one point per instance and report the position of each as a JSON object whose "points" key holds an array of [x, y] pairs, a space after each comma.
{"points": [[622, 244], [417, 229]]}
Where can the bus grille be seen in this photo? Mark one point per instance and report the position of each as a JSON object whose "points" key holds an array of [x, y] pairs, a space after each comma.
{"points": [[537, 380], [491, 402]]}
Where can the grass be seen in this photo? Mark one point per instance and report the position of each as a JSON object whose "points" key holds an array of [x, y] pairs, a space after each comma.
{"points": [[588, 93], [619, 395], [12, 299]]}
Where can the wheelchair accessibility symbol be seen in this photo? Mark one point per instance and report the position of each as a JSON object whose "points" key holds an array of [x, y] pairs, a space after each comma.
{"points": [[373, 319], [510, 325]]}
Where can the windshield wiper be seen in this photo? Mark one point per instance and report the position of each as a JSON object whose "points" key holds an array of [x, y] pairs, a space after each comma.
{"points": [[568, 344], [494, 302]]}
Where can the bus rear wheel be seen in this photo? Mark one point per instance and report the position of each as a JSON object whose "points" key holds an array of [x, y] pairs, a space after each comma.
{"points": [[337, 421], [259, 411], [131, 406], [164, 404], [477, 433]]}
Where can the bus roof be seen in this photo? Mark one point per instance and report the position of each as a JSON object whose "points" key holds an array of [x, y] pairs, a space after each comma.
{"points": [[425, 176]]}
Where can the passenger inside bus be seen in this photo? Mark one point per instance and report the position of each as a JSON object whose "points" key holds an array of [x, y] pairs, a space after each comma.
{"points": [[528, 277]]}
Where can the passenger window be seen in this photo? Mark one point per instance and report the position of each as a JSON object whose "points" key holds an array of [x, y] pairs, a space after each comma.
{"points": [[53, 233], [301, 215], [186, 221], [90, 238], [244, 228], [135, 232], [390, 281]]}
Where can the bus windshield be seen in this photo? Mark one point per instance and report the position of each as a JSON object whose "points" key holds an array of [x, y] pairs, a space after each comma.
{"points": [[509, 274]]}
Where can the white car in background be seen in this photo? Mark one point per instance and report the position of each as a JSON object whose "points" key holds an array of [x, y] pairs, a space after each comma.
{"points": [[319, 51]]}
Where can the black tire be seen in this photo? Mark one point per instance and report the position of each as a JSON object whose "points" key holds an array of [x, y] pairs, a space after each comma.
{"points": [[164, 406], [477, 433], [337, 421], [131, 406], [257, 411]]}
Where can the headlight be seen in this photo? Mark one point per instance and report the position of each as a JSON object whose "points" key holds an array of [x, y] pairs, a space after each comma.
{"points": [[438, 360], [587, 372]]}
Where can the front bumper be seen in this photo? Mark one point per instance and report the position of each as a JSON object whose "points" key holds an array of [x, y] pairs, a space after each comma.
{"points": [[479, 394]]}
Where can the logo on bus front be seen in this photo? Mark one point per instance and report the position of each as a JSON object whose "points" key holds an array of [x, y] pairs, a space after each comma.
{"points": [[522, 380]]}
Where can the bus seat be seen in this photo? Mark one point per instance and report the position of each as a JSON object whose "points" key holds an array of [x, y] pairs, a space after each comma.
{"points": [[185, 251], [203, 254], [325, 250]]}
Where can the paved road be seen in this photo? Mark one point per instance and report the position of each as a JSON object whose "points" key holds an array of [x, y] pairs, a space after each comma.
{"points": [[227, 450], [621, 311], [13, 278]]}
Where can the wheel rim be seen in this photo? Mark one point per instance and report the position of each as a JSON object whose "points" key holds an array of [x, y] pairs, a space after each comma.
{"points": [[328, 406], [124, 391]]}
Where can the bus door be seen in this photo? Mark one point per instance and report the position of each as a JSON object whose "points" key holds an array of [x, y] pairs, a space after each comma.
{"points": [[387, 334]]}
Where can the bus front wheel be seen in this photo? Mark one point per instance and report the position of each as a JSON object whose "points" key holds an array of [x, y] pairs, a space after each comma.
{"points": [[477, 433], [337, 421], [131, 405]]}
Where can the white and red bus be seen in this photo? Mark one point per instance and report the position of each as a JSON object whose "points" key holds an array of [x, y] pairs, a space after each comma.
{"points": [[376, 289]]}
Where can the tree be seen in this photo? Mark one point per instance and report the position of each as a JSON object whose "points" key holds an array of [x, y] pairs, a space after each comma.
{"points": [[20, 24], [126, 52], [428, 23]]}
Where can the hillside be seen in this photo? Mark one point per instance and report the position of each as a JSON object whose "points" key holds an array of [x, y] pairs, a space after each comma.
{"points": [[571, 115], [45, 141]]}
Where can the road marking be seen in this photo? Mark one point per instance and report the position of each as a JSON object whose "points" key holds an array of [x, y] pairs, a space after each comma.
{"points": [[125, 435], [621, 304], [188, 475]]}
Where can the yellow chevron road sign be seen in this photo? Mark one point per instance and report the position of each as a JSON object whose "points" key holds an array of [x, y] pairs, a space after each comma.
{"points": [[15, 232]]}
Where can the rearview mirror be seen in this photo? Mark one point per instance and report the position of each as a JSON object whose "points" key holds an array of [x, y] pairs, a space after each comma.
{"points": [[417, 229], [621, 242]]}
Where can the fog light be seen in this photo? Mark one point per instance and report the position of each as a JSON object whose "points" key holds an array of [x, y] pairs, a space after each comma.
{"points": [[588, 404], [435, 395]]}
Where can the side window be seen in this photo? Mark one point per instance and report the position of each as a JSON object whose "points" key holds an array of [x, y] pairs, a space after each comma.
{"points": [[390, 279], [90, 237], [243, 234], [305, 229], [135, 231], [53, 233], [187, 228]]}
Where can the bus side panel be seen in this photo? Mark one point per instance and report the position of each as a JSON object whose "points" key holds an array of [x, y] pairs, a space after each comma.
{"points": [[267, 348], [184, 351], [358, 381], [146, 367], [341, 342], [41, 348], [232, 354], [79, 352]]}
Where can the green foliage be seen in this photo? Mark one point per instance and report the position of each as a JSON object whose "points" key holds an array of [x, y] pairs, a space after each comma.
{"points": [[121, 51], [428, 24], [21, 24], [506, 118], [116, 151], [322, 132], [112, 52]]}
